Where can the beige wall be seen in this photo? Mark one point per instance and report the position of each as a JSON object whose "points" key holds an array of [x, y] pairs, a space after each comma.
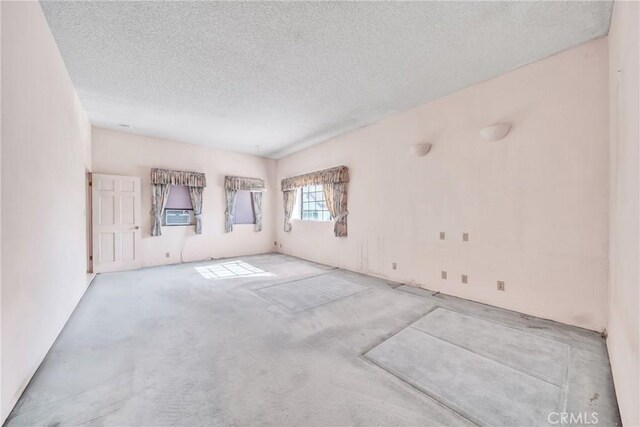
{"points": [[45, 142], [624, 296], [535, 204], [128, 154]]}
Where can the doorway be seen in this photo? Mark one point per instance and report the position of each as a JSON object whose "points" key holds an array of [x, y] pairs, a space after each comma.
{"points": [[115, 224], [88, 221]]}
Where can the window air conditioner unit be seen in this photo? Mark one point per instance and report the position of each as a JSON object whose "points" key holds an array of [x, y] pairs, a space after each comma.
{"points": [[177, 217]]}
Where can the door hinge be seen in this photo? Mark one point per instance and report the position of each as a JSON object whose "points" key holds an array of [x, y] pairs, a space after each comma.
{"points": [[90, 257], [90, 184]]}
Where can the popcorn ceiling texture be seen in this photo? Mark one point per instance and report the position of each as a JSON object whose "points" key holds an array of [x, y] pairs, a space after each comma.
{"points": [[274, 78]]}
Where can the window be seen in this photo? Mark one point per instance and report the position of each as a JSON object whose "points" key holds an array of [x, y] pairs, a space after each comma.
{"points": [[312, 204], [244, 208], [179, 197], [179, 211]]}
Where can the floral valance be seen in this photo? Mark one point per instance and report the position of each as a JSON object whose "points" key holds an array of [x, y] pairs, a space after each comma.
{"points": [[171, 177], [337, 174], [243, 183]]}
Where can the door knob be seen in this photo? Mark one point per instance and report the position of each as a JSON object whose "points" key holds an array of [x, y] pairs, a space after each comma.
{"points": [[137, 227]]}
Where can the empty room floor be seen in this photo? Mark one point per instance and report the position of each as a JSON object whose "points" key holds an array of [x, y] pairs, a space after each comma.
{"points": [[275, 340]]}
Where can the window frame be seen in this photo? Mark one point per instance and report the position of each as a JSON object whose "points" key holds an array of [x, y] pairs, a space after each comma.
{"points": [[318, 189]]}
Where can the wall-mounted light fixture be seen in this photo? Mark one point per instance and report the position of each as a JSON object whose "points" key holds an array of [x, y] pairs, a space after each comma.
{"points": [[495, 132], [420, 150]]}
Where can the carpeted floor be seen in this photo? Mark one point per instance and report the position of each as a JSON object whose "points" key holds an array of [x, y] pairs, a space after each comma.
{"points": [[275, 340]]}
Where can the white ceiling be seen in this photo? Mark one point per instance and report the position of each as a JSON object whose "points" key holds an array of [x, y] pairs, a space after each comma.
{"points": [[285, 76]]}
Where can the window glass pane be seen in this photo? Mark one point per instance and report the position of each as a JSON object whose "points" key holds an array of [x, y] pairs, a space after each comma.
{"points": [[244, 208], [179, 197], [312, 204]]}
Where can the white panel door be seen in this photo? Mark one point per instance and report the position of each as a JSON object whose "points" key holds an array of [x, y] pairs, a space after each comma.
{"points": [[116, 222]]}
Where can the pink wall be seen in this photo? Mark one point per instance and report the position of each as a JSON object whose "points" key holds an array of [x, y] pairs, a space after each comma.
{"points": [[535, 204], [624, 280], [123, 153], [45, 150]]}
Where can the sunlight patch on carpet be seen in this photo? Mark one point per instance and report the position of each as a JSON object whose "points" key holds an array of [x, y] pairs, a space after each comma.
{"points": [[231, 270]]}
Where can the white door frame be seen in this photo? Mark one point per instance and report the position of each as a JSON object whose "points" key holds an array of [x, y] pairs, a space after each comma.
{"points": [[89, 221]]}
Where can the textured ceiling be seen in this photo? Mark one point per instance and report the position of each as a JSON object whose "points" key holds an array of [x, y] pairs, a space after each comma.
{"points": [[284, 76]]}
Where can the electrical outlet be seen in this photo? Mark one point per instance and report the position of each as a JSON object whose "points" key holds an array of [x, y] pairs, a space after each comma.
{"points": [[394, 265], [500, 285], [167, 255], [442, 235], [465, 278], [465, 237], [443, 275]]}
